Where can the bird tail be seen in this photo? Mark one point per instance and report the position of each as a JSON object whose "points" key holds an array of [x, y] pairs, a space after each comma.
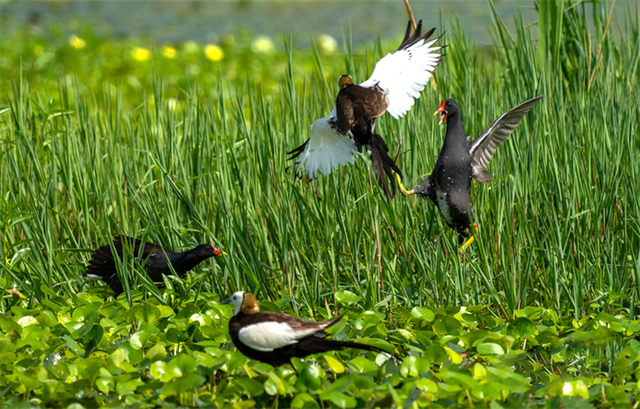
{"points": [[335, 345], [383, 165]]}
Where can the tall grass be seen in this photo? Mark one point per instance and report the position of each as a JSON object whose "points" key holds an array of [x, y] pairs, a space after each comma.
{"points": [[559, 225]]}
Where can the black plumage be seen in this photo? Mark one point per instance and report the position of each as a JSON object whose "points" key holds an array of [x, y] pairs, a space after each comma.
{"points": [[153, 259], [460, 160]]}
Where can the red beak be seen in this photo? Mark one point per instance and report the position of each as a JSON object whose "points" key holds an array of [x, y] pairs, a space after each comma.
{"points": [[444, 113], [216, 251]]}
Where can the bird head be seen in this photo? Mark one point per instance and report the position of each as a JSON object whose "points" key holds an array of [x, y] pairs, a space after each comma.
{"points": [[345, 80], [447, 108], [245, 302], [208, 250]]}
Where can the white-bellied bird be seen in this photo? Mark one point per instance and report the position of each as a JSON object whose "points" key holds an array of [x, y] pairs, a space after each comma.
{"points": [[276, 337], [397, 80]]}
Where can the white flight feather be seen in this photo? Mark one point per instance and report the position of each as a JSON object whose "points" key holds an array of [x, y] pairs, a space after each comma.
{"points": [[267, 336], [404, 74], [327, 148]]}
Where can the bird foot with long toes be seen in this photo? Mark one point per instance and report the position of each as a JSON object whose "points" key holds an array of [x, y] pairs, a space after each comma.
{"points": [[403, 190]]}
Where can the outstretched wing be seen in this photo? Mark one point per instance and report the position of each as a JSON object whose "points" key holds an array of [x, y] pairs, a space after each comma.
{"points": [[325, 149], [404, 74], [484, 147]]}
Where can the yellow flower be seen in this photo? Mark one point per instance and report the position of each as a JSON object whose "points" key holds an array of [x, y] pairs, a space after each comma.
{"points": [[140, 54], [263, 45], [77, 42], [213, 52], [169, 52], [327, 44]]}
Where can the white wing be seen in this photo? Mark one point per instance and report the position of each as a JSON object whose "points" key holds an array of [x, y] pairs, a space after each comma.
{"points": [[404, 74], [325, 149], [267, 336]]}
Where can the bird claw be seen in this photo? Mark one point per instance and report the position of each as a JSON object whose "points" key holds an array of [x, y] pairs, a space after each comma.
{"points": [[404, 191]]}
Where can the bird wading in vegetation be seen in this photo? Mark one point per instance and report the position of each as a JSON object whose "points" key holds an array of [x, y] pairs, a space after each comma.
{"points": [[395, 83], [460, 159], [155, 260], [276, 337]]}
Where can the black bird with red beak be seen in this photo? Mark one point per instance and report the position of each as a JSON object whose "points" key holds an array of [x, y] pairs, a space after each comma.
{"points": [[153, 258], [460, 160], [276, 337]]}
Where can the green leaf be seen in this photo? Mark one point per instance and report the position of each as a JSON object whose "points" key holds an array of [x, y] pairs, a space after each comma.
{"points": [[138, 339], [335, 365], [181, 365], [274, 385], [447, 326], [423, 313], [347, 297], [176, 336], [148, 313], [342, 401], [489, 348]]}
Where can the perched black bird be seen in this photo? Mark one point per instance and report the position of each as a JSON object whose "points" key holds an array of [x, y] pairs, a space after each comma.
{"points": [[396, 81], [460, 160], [153, 258], [276, 337]]}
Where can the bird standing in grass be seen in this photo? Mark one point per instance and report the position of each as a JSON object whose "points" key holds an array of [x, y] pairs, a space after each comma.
{"points": [[153, 258], [276, 337], [396, 81], [460, 159]]}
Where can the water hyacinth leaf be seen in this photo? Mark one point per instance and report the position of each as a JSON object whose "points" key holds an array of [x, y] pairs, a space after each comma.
{"points": [[347, 297], [138, 339], [521, 328], [363, 365], [148, 314], [105, 385], [156, 353], [436, 354], [128, 387], [158, 369], [182, 365], [489, 348], [341, 400], [176, 336], [304, 400], [165, 311], [447, 326], [249, 386], [274, 385], [184, 384], [335, 365], [423, 313]]}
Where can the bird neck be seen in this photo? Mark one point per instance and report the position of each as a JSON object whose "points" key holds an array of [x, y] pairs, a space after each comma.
{"points": [[455, 135], [185, 261]]}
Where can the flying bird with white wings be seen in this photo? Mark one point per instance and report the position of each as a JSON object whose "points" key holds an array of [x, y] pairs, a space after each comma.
{"points": [[460, 160], [397, 80]]}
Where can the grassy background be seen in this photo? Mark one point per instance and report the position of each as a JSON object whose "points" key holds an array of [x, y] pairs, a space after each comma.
{"points": [[201, 158]]}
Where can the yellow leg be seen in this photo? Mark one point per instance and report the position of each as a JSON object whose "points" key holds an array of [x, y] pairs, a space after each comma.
{"points": [[467, 243], [471, 239], [404, 191]]}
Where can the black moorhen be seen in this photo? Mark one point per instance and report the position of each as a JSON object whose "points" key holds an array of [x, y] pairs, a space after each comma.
{"points": [[276, 337], [460, 160], [154, 259]]}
